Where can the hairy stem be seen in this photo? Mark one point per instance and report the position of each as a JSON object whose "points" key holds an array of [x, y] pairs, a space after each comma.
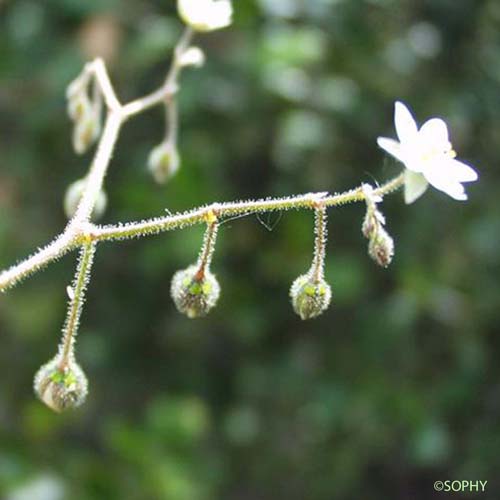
{"points": [[207, 250], [57, 248], [77, 299], [223, 210], [98, 168], [320, 231]]}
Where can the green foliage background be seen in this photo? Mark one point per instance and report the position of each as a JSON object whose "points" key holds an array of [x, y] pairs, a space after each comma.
{"points": [[395, 387]]}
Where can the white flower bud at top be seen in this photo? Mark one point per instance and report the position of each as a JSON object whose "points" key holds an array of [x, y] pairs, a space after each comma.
{"points": [[205, 15], [61, 386], [74, 195], [310, 296], [164, 162], [193, 56], [194, 293]]}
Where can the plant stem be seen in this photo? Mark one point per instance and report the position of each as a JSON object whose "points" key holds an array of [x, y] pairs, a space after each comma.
{"points": [[223, 210], [319, 243], [77, 299], [207, 249]]}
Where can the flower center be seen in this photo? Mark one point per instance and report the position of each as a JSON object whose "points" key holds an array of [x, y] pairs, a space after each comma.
{"points": [[433, 152]]}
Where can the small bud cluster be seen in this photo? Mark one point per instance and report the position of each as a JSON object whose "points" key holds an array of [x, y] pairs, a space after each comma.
{"points": [[195, 290], [85, 112], [381, 245], [73, 196], [310, 293], [61, 385]]}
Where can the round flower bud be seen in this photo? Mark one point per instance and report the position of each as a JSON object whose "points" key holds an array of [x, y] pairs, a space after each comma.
{"points": [[61, 388], [163, 162], [381, 247], [74, 195], [310, 297], [192, 56], [194, 295]]}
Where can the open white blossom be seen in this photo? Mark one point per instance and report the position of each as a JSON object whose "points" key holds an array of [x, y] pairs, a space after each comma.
{"points": [[428, 156], [205, 15]]}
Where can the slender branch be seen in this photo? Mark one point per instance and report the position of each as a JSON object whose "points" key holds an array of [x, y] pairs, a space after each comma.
{"points": [[77, 298], [98, 168], [320, 232], [207, 249], [97, 69], [172, 121], [198, 215], [169, 88], [57, 248]]}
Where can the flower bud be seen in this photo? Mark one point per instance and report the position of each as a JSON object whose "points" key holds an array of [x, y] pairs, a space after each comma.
{"points": [[163, 162], [381, 247], [60, 385], [74, 195], [87, 130], [310, 296], [193, 56], [205, 15], [79, 106], [194, 293]]}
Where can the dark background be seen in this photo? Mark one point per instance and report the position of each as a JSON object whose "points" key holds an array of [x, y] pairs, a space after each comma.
{"points": [[395, 387]]}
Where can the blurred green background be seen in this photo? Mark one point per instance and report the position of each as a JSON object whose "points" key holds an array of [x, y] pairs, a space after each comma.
{"points": [[395, 387]]}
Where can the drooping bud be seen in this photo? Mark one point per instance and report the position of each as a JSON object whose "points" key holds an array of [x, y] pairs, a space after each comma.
{"points": [[310, 296], [78, 106], [381, 245], [164, 162], [86, 131], [195, 293], [192, 56], [195, 290], [73, 196], [310, 293], [85, 111], [61, 386]]}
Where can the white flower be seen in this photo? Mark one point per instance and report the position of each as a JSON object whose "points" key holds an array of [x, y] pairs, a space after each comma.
{"points": [[428, 156], [205, 15]]}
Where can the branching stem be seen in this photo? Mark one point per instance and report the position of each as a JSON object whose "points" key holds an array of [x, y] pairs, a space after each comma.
{"points": [[81, 233]]}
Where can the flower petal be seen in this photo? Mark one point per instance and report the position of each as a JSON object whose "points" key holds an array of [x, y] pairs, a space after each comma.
{"points": [[415, 186], [440, 179], [462, 172], [435, 131], [406, 127], [222, 11], [391, 146]]}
